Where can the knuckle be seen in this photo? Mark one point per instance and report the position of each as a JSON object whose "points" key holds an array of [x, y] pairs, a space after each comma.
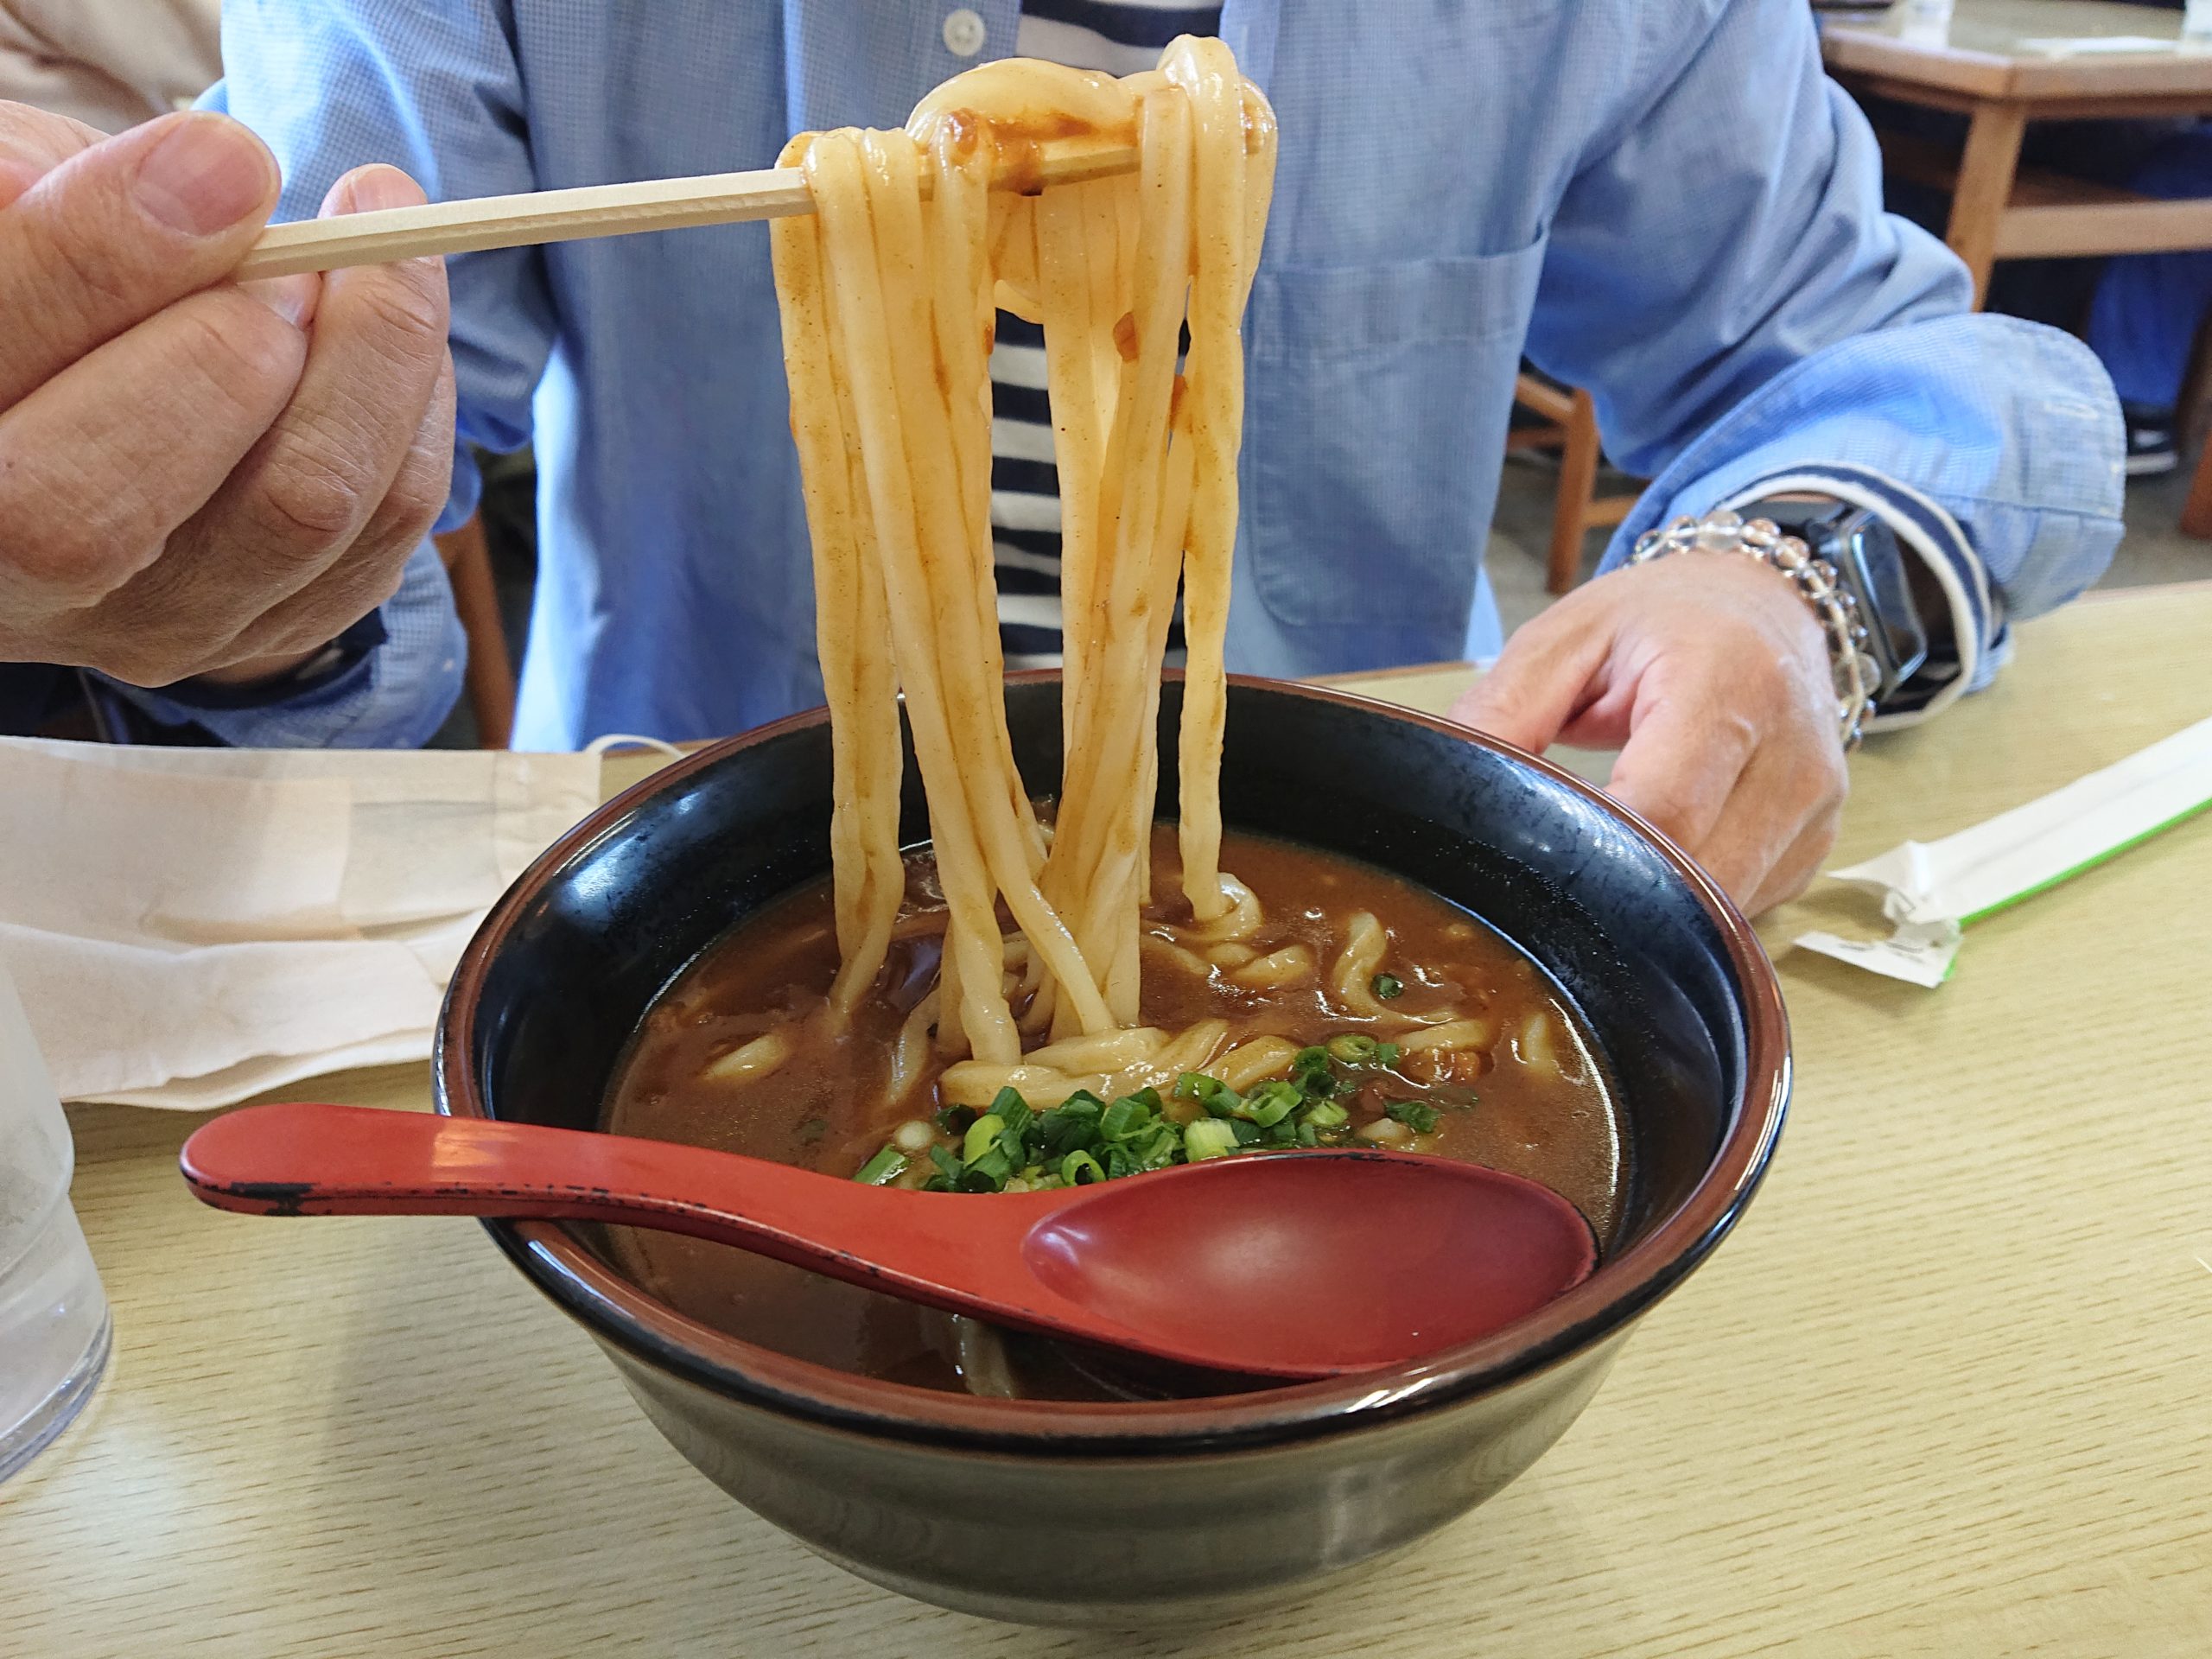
{"points": [[416, 498], [242, 350], [137, 658], [406, 313], [68, 563], [310, 504]]}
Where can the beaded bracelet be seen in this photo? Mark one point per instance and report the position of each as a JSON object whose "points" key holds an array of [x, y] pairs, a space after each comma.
{"points": [[1856, 673]]}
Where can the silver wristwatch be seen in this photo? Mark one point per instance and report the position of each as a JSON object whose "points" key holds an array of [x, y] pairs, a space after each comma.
{"points": [[1856, 674]]}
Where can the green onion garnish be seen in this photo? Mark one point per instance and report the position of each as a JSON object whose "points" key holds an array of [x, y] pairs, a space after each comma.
{"points": [[982, 1134], [1270, 1103], [1123, 1118], [1015, 1147], [1416, 1116], [1209, 1137], [886, 1166], [1385, 985]]}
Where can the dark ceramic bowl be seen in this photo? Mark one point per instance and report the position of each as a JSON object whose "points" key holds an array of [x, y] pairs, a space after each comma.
{"points": [[1159, 1511]]}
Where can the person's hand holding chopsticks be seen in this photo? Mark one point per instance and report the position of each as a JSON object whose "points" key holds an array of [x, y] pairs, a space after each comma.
{"points": [[198, 479]]}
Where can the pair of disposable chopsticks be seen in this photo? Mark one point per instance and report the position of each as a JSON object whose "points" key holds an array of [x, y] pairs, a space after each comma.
{"points": [[606, 210]]}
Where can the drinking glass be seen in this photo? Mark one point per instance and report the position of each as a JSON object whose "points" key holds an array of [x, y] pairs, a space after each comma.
{"points": [[54, 1317]]}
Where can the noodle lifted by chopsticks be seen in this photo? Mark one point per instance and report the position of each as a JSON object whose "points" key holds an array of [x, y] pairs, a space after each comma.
{"points": [[888, 293]]}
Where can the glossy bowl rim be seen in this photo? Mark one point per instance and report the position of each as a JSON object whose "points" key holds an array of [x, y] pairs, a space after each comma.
{"points": [[1622, 1287]]}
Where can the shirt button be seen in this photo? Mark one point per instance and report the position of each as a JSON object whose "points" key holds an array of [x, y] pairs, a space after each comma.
{"points": [[963, 33]]}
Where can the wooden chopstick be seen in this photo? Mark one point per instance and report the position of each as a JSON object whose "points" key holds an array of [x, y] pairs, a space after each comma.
{"points": [[606, 210]]}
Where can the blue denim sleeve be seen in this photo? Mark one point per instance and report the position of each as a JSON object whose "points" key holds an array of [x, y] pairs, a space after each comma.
{"points": [[436, 91], [395, 697], [1769, 325]]}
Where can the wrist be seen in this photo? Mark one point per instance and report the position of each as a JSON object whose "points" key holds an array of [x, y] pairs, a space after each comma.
{"points": [[1819, 592]]}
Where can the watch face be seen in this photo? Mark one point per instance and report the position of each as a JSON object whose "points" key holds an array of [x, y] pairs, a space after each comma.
{"points": [[1864, 552], [1874, 565]]}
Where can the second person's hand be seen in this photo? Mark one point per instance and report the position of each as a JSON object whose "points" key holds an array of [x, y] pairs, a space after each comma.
{"points": [[1711, 675]]}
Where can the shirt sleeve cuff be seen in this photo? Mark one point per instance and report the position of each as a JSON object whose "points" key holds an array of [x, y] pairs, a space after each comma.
{"points": [[1978, 644], [396, 695]]}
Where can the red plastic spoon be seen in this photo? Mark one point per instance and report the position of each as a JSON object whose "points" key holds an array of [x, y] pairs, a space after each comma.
{"points": [[1300, 1264]]}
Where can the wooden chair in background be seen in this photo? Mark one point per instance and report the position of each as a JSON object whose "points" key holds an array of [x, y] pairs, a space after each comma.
{"points": [[1571, 427], [491, 679]]}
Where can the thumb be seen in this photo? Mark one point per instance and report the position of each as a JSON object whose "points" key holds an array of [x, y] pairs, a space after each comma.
{"points": [[120, 230], [1541, 679]]}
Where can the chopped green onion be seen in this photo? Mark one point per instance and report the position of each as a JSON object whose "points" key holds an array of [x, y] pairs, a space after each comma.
{"points": [[1016, 1148], [1158, 1149], [1209, 1137], [886, 1166], [1124, 1118], [982, 1134], [1270, 1103], [1058, 1132], [1385, 985], [987, 1173], [1416, 1116]]}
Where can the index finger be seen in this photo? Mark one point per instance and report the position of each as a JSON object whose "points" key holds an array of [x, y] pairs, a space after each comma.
{"points": [[1683, 756], [33, 143], [120, 230]]}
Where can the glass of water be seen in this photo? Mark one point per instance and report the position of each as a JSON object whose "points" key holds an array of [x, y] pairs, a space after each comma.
{"points": [[54, 1318]]}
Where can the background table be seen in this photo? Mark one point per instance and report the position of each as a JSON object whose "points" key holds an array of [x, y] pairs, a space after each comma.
{"points": [[1979, 69], [1944, 1393]]}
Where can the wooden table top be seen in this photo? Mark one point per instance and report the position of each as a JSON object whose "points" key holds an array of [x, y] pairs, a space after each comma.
{"points": [[1981, 55], [1942, 1394]]}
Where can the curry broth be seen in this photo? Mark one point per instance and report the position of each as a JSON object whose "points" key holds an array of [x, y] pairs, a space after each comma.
{"points": [[1534, 1102]]}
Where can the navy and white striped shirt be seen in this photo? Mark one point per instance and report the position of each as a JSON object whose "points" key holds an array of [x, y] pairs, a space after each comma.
{"points": [[1120, 36]]}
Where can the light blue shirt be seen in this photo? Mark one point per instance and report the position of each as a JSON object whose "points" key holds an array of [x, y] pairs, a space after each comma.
{"points": [[1666, 203]]}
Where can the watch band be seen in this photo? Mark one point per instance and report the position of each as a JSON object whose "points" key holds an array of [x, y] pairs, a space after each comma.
{"points": [[1856, 674]]}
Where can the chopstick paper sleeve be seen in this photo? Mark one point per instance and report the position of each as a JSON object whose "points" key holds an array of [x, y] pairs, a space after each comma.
{"points": [[1932, 890]]}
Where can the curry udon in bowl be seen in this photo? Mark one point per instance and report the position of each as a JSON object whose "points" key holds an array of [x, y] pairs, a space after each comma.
{"points": [[1637, 1060]]}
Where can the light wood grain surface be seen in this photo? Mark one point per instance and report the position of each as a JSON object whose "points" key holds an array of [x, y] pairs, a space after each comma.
{"points": [[1944, 1393], [1982, 52], [1982, 66]]}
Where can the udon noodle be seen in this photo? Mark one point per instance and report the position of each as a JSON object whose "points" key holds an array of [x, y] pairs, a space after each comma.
{"points": [[888, 293], [889, 290]]}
